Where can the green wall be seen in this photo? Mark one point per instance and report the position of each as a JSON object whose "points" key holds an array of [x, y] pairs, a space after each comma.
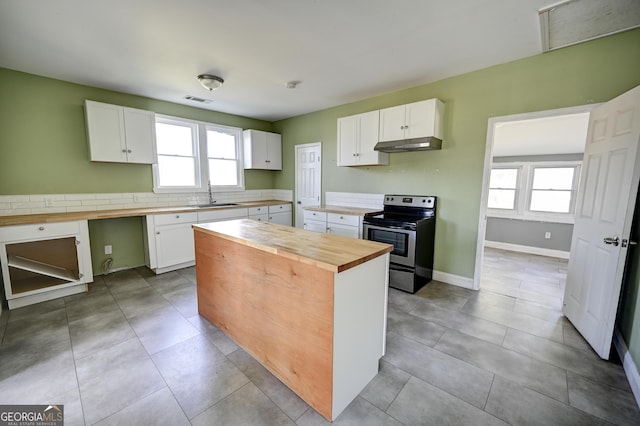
{"points": [[43, 150], [587, 73], [583, 74], [43, 145]]}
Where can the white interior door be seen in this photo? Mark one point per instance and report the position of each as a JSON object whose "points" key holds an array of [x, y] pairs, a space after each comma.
{"points": [[608, 189], [308, 178]]}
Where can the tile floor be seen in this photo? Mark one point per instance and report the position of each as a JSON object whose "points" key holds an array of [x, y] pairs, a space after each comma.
{"points": [[134, 351]]}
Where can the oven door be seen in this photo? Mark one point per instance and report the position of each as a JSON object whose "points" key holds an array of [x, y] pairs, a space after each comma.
{"points": [[402, 240]]}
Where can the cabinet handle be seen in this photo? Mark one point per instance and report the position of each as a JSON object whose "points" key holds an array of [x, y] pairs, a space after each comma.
{"points": [[129, 151], [41, 228], [80, 275], [157, 232], [124, 151], [341, 217], [177, 216]]}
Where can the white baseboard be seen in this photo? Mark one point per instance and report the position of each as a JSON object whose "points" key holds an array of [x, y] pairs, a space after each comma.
{"points": [[452, 279], [630, 368], [527, 249]]}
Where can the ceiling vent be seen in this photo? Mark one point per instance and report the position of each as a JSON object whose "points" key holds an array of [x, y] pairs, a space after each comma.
{"points": [[197, 99], [575, 21]]}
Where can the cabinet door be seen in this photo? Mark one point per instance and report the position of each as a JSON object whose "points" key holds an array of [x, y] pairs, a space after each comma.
{"points": [[316, 226], [418, 119], [368, 138], [174, 244], [274, 151], [139, 126], [344, 230], [392, 122], [260, 217], [348, 140], [105, 132], [283, 218], [255, 149]]}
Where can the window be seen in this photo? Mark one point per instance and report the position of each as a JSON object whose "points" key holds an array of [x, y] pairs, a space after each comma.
{"points": [[552, 189], [503, 186], [191, 154], [534, 191], [176, 143]]}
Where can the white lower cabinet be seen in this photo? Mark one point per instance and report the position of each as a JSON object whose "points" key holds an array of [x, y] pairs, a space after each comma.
{"points": [[170, 241], [44, 261], [261, 214], [280, 214], [333, 223], [315, 221]]}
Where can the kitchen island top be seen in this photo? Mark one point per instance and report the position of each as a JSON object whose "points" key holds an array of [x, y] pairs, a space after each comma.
{"points": [[330, 252]]}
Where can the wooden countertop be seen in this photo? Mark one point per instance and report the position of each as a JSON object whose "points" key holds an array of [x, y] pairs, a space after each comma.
{"points": [[29, 219], [330, 252], [356, 211]]}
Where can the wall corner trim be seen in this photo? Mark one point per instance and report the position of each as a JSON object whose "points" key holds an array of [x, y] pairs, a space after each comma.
{"points": [[452, 279], [630, 367]]}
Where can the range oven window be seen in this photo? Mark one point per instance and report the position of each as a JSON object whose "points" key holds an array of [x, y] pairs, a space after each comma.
{"points": [[399, 240]]}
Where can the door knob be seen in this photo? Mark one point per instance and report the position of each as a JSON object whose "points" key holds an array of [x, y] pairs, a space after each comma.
{"points": [[612, 241]]}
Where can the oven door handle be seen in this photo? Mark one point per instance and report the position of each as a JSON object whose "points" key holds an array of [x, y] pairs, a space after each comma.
{"points": [[390, 227]]}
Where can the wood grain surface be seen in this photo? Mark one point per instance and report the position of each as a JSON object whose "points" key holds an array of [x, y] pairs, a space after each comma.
{"points": [[279, 310], [325, 251], [27, 219], [354, 211]]}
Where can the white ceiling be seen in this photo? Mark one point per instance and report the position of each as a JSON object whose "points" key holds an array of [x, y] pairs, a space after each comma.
{"points": [[565, 134], [341, 50]]}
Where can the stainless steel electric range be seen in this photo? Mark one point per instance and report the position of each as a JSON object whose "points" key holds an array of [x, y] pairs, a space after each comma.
{"points": [[408, 222]]}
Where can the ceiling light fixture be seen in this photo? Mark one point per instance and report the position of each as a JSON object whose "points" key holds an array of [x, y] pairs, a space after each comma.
{"points": [[210, 82], [292, 84]]}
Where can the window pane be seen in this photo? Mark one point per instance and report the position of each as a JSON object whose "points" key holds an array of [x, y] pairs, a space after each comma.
{"points": [[553, 178], [223, 172], [503, 178], [550, 201], [221, 145], [172, 139], [502, 199], [176, 171]]}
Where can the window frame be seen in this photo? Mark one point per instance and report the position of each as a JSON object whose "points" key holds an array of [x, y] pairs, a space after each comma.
{"points": [[525, 186], [516, 189], [201, 155]]}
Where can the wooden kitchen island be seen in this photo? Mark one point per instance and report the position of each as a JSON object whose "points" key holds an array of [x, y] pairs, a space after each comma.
{"points": [[310, 307]]}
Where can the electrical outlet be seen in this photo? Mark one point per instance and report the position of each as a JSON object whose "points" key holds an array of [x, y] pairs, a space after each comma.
{"points": [[48, 201], [547, 235], [108, 249]]}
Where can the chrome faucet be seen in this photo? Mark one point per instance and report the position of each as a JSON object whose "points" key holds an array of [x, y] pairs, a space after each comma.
{"points": [[211, 200]]}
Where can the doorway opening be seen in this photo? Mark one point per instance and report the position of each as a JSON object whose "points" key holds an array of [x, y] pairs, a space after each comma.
{"points": [[531, 175]]}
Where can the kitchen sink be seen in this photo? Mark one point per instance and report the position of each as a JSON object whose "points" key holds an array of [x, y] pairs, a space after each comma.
{"points": [[218, 205]]}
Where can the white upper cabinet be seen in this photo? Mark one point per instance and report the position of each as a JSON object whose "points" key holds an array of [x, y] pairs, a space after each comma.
{"points": [[120, 134], [357, 135], [410, 121], [262, 150]]}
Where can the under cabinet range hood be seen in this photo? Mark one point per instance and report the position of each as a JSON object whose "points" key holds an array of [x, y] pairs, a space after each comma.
{"points": [[411, 127], [419, 144]]}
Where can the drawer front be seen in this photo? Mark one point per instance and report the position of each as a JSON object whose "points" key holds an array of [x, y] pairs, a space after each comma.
{"points": [[38, 231], [258, 210], [345, 219], [280, 208], [260, 217], [222, 214], [313, 215], [175, 218]]}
